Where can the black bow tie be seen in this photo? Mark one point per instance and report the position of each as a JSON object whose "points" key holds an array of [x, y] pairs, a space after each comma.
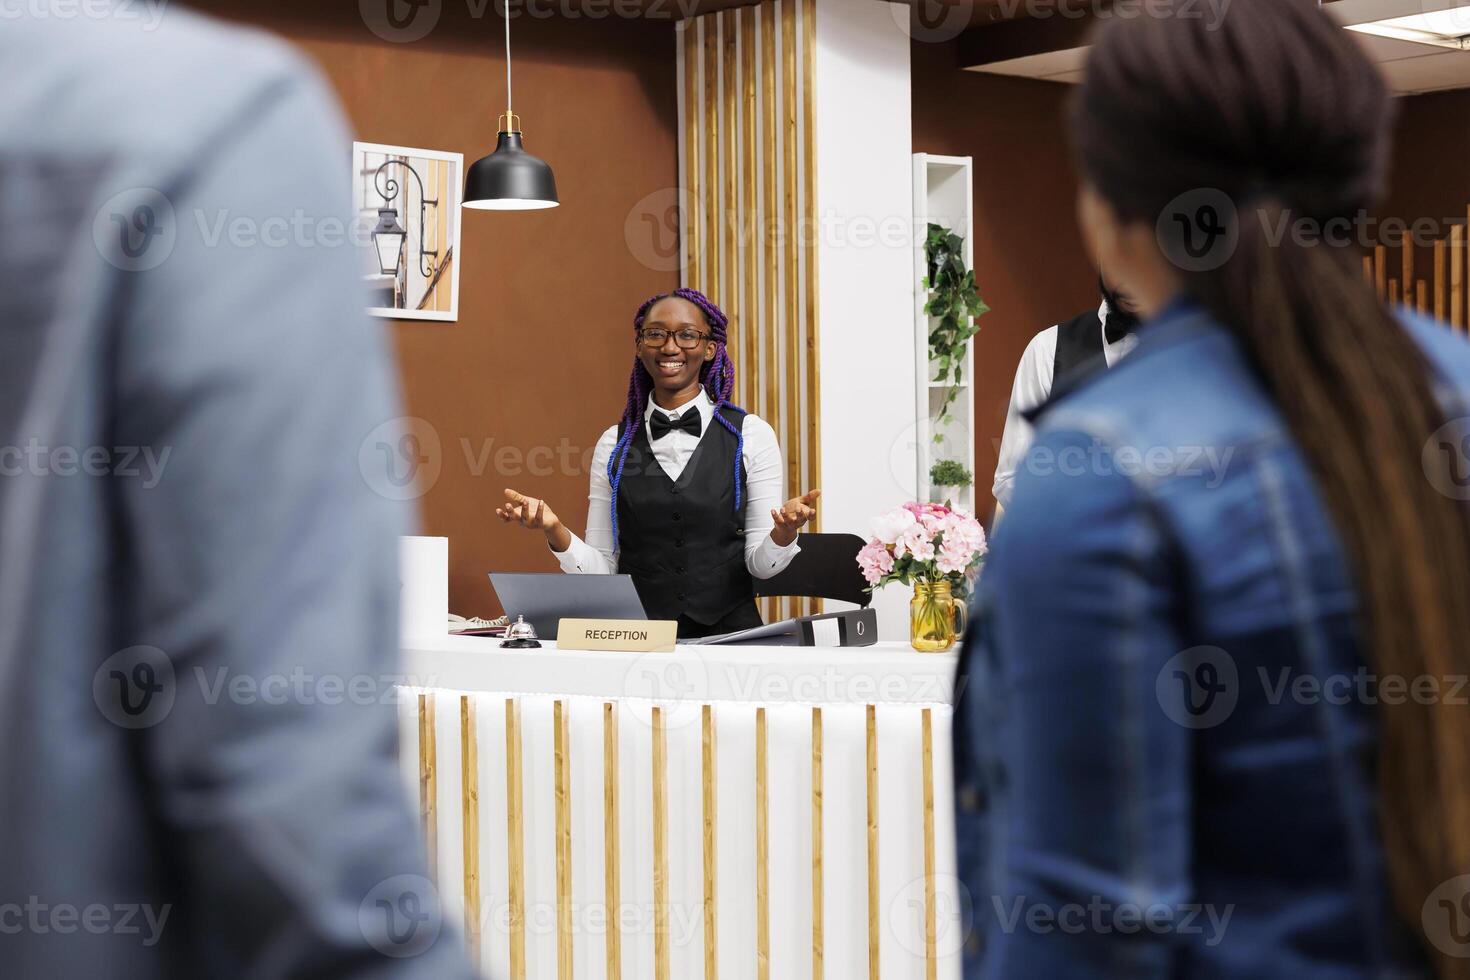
{"points": [[661, 425], [1119, 325]]}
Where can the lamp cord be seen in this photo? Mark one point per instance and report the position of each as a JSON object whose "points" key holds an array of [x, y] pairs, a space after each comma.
{"points": [[508, 104]]}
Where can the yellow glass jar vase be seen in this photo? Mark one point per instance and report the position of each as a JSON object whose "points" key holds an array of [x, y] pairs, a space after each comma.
{"points": [[936, 617]]}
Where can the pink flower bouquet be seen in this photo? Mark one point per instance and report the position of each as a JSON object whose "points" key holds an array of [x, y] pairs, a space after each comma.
{"points": [[921, 542]]}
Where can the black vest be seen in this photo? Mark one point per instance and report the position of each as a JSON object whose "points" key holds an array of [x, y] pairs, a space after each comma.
{"points": [[684, 542], [1079, 345]]}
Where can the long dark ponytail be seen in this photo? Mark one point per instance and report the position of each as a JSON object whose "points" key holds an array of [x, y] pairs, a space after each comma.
{"points": [[1235, 130]]}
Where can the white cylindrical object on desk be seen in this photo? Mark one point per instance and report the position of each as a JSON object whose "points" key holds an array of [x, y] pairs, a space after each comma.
{"points": [[423, 580]]}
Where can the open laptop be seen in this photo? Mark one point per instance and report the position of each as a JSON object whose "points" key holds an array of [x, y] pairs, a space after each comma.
{"points": [[545, 597]]}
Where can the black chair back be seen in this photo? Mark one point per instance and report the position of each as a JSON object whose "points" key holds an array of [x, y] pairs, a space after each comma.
{"points": [[826, 568]]}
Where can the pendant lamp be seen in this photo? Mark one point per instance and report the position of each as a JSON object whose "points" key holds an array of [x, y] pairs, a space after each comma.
{"points": [[510, 179]]}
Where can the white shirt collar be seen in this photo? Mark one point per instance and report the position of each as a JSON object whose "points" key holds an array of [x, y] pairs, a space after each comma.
{"points": [[1112, 353], [700, 402]]}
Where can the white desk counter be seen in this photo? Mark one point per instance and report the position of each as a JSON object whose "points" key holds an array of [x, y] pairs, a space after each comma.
{"points": [[885, 673], [731, 805]]}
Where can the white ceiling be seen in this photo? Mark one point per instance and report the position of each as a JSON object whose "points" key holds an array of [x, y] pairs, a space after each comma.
{"points": [[1409, 67]]}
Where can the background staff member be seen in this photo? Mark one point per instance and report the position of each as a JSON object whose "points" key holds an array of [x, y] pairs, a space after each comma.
{"points": [[687, 500], [1057, 352]]}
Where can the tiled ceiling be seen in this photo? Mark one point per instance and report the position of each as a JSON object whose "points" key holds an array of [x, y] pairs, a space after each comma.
{"points": [[1410, 68]]}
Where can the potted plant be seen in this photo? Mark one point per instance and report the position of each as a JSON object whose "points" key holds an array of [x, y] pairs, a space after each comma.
{"points": [[949, 473], [955, 305], [935, 549]]}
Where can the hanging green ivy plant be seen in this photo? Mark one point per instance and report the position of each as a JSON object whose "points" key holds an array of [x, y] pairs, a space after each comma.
{"points": [[955, 301]]}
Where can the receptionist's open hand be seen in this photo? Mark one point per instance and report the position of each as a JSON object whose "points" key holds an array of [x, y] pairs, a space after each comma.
{"points": [[534, 513], [793, 515]]}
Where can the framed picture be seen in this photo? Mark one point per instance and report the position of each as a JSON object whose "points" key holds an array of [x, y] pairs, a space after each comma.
{"points": [[407, 199]]}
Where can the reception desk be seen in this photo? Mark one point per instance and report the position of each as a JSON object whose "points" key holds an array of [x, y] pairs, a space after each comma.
{"points": [[756, 812]]}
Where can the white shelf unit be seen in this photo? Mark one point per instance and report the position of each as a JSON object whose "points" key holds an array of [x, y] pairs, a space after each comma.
{"points": [[943, 194]]}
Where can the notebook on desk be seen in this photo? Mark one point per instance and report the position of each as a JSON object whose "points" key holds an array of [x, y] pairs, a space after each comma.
{"points": [[544, 598]]}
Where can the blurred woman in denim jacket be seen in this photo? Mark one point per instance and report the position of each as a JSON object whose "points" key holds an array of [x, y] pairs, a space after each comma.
{"points": [[1215, 720]]}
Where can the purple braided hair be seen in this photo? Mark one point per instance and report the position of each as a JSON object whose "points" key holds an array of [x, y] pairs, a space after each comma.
{"points": [[717, 375]]}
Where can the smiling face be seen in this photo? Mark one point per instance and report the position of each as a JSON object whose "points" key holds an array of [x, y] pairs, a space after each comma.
{"points": [[675, 371]]}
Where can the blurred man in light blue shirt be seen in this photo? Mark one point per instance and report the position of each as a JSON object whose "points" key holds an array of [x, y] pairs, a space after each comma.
{"points": [[198, 602]]}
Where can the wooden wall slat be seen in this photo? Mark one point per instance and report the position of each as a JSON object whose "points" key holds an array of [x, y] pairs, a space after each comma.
{"points": [[874, 897], [429, 782], [469, 757], [819, 926], [708, 775], [611, 840], [813, 387], [762, 854], [931, 916], [748, 215], [660, 850], [1457, 276], [728, 295], [809, 248], [1406, 256], [562, 775], [1439, 280], [694, 124], [709, 282], [515, 839]]}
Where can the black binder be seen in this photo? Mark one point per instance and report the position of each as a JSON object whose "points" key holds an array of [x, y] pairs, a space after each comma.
{"points": [[849, 628]]}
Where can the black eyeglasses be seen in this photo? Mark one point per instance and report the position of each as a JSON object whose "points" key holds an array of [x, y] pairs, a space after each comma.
{"points": [[686, 339]]}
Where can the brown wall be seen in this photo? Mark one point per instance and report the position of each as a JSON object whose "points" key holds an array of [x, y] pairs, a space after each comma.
{"points": [[1429, 176], [542, 348], [1029, 261]]}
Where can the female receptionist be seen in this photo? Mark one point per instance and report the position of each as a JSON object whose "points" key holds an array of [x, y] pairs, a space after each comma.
{"points": [[686, 489]]}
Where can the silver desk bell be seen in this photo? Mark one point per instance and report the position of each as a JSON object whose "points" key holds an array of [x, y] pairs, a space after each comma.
{"points": [[520, 636]]}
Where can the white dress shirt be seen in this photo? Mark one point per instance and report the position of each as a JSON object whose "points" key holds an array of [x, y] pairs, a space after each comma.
{"points": [[1032, 387], [762, 491]]}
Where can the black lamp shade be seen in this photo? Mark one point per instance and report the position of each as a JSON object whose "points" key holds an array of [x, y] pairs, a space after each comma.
{"points": [[510, 179], [388, 240]]}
